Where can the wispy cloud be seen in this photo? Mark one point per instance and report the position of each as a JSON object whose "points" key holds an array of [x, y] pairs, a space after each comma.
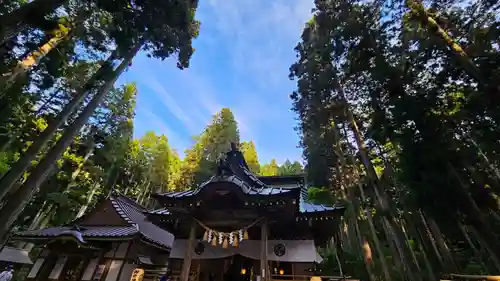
{"points": [[241, 61], [147, 118], [171, 104]]}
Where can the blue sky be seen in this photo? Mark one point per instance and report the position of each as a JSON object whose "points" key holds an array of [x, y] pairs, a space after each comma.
{"points": [[241, 61]]}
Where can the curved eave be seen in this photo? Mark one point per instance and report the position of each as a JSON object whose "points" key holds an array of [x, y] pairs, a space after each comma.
{"points": [[323, 212], [153, 243], [62, 237], [246, 191]]}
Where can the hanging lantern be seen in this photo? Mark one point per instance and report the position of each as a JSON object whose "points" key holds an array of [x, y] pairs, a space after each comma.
{"points": [[210, 235], [282, 271], [243, 271], [225, 244], [214, 241], [205, 236], [221, 238], [231, 238], [240, 235], [245, 235], [235, 243]]}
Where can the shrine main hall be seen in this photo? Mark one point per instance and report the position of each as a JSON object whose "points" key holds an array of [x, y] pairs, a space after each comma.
{"points": [[235, 226]]}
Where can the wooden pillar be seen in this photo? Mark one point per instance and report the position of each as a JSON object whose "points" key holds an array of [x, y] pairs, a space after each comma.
{"points": [[188, 255], [264, 266]]}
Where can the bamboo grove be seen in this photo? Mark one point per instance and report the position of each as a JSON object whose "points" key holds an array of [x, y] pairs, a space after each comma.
{"points": [[398, 117]]}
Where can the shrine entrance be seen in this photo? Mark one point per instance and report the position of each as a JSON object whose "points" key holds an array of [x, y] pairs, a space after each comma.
{"points": [[73, 269], [239, 268], [234, 268]]}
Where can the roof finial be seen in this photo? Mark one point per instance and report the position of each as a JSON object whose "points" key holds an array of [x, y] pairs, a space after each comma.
{"points": [[234, 147]]}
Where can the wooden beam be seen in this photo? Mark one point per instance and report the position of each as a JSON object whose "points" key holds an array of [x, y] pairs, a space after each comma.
{"points": [[264, 266], [188, 255], [474, 277]]}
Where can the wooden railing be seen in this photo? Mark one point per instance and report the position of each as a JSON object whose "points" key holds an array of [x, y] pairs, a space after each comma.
{"points": [[193, 275], [276, 277], [463, 277]]}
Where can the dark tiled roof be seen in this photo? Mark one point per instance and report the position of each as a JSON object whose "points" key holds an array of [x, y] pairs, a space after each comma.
{"points": [[129, 210], [261, 189], [305, 206], [87, 231], [134, 213], [233, 169]]}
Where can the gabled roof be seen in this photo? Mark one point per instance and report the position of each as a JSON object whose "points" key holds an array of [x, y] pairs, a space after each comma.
{"points": [[128, 209], [233, 169], [87, 232], [245, 187], [135, 214]]}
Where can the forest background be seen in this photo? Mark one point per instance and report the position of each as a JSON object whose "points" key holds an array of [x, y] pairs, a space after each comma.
{"points": [[397, 105]]}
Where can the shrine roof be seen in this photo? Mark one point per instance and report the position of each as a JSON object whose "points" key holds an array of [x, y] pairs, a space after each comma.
{"points": [[305, 206], [127, 209], [233, 174], [244, 186], [86, 231], [234, 169]]}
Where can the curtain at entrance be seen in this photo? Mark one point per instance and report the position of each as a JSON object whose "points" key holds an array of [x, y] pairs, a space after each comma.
{"points": [[278, 250]]}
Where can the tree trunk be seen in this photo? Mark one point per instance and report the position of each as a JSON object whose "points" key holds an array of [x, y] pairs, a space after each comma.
{"points": [[475, 215], [420, 243], [111, 179], [443, 248], [373, 232], [431, 238], [390, 226], [13, 23], [418, 10], [484, 245], [389, 176], [18, 169], [33, 59], [90, 196], [359, 243], [48, 217], [15, 205], [477, 253], [88, 152]]}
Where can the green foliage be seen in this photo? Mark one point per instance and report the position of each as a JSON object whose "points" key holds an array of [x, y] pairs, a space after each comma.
{"points": [[271, 169], [394, 118], [321, 195], [200, 162], [250, 154]]}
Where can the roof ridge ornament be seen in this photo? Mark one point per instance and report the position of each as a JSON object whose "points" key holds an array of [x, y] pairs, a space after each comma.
{"points": [[232, 159]]}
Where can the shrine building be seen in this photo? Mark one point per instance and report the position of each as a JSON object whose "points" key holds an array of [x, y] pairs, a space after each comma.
{"points": [[235, 226]]}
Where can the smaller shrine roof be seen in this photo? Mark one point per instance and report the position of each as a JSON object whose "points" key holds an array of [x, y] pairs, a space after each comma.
{"points": [[86, 231], [128, 209]]}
